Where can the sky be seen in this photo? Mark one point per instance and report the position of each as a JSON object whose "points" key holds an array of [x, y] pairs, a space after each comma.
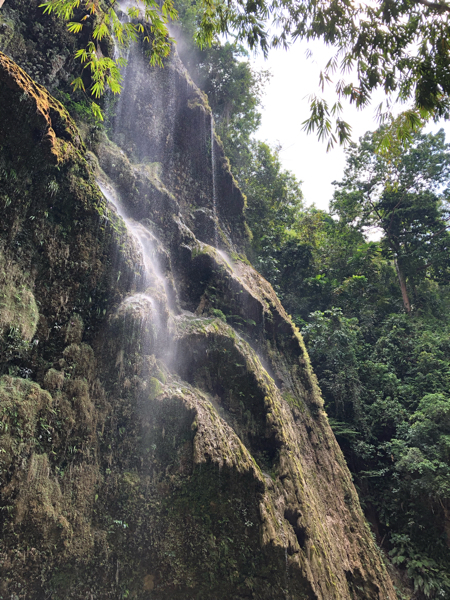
{"points": [[286, 106]]}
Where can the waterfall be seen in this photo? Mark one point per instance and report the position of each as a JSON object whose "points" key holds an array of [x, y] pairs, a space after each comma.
{"points": [[153, 278], [170, 443], [153, 300], [214, 185]]}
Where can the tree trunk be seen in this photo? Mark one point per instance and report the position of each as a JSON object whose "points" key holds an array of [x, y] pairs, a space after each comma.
{"points": [[402, 282]]}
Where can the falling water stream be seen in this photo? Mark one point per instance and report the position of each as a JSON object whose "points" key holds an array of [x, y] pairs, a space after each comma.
{"points": [[155, 284], [214, 185], [144, 237]]}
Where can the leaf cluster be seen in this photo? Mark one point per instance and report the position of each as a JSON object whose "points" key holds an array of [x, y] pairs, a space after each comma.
{"points": [[399, 47], [149, 19]]}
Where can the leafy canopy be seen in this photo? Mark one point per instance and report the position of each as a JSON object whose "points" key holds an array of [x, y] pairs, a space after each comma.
{"points": [[400, 47]]}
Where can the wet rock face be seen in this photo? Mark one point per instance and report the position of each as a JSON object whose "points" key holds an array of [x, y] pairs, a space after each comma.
{"points": [[169, 441], [163, 126], [37, 42]]}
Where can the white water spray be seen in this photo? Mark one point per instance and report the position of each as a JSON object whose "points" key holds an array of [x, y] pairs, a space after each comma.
{"points": [[213, 169], [154, 282]]}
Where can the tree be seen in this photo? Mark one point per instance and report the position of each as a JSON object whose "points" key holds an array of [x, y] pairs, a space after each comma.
{"points": [[389, 407], [332, 341], [274, 195], [406, 197], [427, 462], [274, 200], [400, 47]]}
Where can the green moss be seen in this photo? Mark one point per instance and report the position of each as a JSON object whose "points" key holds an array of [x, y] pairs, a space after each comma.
{"points": [[218, 313], [161, 376], [293, 401], [154, 388], [54, 380], [202, 250], [74, 330], [18, 309], [240, 257], [200, 102], [24, 407]]}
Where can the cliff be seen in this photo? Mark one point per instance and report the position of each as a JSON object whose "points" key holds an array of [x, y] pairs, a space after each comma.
{"points": [[161, 432]]}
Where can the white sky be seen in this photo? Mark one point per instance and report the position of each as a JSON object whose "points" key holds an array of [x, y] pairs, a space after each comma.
{"points": [[286, 106]]}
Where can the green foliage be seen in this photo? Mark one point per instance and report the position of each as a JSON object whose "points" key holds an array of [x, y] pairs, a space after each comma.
{"points": [[404, 193], [427, 462], [424, 572], [394, 433], [274, 202], [100, 21], [332, 342], [202, 20], [398, 47], [78, 107], [215, 312]]}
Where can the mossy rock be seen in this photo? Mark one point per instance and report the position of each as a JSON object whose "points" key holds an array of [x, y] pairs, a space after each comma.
{"points": [[173, 455]]}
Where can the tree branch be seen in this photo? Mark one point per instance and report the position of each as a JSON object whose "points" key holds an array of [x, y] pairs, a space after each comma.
{"points": [[439, 6]]}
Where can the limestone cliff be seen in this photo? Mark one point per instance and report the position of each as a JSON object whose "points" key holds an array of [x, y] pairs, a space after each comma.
{"points": [[161, 432]]}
